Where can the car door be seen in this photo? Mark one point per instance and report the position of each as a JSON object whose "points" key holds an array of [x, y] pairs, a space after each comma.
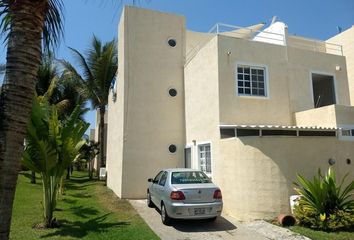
{"points": [[160, 189], [153, 188]]}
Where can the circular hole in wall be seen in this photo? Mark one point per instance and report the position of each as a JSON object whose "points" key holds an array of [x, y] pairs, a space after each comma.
{"points": [[172, 42], [172, 148], [331, 161], [172, 92], [349, 161]]}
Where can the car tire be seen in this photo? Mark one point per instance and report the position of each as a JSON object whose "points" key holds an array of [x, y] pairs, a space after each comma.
{"points": [[212, 219], [149, 202], [164, 216]]}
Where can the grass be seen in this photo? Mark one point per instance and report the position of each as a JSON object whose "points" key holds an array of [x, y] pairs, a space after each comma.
{"points": [[88, 210], [320, 235]]}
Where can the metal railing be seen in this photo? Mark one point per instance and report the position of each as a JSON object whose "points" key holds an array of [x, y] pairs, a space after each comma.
{"points": [[267, 37]]}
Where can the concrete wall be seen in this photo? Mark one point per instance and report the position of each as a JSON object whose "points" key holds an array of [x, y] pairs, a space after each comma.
{"points": [[301, 64], [236, 109], [328, 116], [346, 39], [257, 180], [152, 119], [116, 117], [289, 81], [202, 100]]}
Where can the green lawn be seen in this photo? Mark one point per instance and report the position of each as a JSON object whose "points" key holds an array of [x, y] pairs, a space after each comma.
{"points": [[88, 210], [320, 235]]}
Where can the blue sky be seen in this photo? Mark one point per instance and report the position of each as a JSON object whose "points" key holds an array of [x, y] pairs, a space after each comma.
{"points": [[310, 18]]}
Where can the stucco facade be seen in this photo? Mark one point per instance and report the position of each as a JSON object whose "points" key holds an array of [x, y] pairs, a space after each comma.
{"points": [[250, 112]]}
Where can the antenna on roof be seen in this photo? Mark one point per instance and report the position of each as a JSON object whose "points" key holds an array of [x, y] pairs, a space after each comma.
{"points": [[339, 29], [274, 18]]}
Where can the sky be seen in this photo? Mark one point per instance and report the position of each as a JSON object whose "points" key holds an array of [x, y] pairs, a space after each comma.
{"points": [[316, 19]]}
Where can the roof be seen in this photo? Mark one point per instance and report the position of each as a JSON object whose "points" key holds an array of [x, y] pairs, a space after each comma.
{"points": [[281, 127]]}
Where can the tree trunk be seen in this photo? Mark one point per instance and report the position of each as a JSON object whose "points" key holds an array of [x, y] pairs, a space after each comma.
{"points": [[22, 61], [100, 159], [33, 177], [50, 189]]}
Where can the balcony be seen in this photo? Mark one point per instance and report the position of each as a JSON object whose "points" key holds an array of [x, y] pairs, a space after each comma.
{"points": [[327, 116], [269, 36]]}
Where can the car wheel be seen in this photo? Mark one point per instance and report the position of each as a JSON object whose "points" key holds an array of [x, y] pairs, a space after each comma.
{"points": [[149, 202], [164, 216]]}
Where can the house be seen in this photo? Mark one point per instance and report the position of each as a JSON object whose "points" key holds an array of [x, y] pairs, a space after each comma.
{"points": [[250, 108]]}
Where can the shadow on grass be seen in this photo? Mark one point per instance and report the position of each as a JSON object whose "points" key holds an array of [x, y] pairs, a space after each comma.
{"points": [[28, 175], [84, 212], [80, 229]]}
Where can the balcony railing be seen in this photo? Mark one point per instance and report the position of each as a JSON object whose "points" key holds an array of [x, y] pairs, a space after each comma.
{"points": [[268, 37]]}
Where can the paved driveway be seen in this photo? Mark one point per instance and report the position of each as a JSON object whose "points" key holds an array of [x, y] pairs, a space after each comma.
{"points": [[224, 227]]}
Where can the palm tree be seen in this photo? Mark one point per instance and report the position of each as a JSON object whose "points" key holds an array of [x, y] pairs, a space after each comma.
{"points": [[99, 67], [25, 31], [51, 146]]}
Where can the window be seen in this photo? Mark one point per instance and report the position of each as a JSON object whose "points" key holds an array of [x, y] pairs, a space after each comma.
{"points": [[247, 132], [163, 179], [158, 176], [251, 81], [204, 156], [227, 133], [172, 92], [323, 90], [172, 42], [346, 133], [172, 148], [189, 178]]}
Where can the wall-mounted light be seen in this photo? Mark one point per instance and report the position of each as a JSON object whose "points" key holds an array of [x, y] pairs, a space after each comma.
{"points": [[228, 53], [338, 68], [194, 142], [331, 161]]}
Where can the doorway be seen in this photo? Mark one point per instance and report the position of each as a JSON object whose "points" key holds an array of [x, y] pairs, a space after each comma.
{"points": [[323, 90]]}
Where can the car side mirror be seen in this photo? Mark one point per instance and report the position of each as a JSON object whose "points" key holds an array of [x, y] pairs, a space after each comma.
{"points": [[150, 180]]}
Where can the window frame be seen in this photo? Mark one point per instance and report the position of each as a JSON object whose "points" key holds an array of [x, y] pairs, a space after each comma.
{"points": [[164, 175], [254, 66], [203, 144], [349, 128]]}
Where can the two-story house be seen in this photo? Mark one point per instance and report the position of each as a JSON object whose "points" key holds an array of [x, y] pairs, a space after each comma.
{"points": [[251, 107]]}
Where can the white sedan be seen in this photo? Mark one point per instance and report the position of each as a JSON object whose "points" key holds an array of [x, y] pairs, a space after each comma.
{"points": [[184, 194]]}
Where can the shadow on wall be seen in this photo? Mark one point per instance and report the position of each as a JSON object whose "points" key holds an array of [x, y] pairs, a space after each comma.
{"points": [[301, 155]]}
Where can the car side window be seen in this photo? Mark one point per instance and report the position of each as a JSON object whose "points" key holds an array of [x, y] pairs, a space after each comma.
{"points": [[158, 176], [163, 179]]}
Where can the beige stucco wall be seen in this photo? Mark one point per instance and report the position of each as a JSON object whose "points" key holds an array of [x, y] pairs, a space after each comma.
{"points": [[301, 64], [346, 39], [252, 110], [202, 100], [257, 180], [116, 118], [328, 116], [289, 81], [153, 119]]}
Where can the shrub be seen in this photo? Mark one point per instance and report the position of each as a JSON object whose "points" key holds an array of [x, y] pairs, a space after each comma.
{"points": [[323, 203]]}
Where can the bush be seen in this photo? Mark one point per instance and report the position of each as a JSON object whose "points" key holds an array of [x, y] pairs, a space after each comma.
{"points": [[323, 203]]}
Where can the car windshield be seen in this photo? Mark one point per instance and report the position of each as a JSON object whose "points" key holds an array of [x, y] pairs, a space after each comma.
{"points": [[189, 177]]}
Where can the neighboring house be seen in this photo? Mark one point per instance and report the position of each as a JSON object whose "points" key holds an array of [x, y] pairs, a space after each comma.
{"points": [[249, 108], [97, 137]]}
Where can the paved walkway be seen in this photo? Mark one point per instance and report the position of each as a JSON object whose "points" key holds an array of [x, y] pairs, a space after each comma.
{"points": [[225, 227]]}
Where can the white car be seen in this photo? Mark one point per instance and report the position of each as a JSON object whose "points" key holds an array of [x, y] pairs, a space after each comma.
{"points": [[184, 194]]}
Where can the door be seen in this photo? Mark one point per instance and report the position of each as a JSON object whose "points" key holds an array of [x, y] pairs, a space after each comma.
{"points": [[188, 157], [154, 188]]}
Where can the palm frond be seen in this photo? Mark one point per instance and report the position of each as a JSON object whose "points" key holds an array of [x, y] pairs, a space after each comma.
{"points": [[52, 31]]}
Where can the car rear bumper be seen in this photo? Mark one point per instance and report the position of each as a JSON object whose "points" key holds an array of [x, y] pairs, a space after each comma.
{"points": [[193, 210]]}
